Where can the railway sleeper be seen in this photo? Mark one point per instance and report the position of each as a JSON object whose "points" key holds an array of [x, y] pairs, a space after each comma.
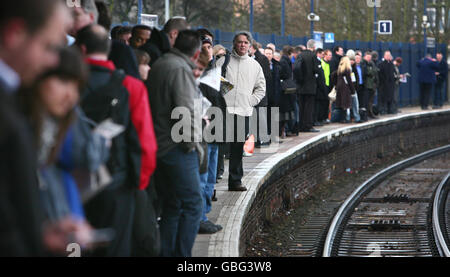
{"points": [[382, 225]]}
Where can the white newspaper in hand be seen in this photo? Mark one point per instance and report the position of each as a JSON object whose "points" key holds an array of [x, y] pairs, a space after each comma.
{"points": [[212, 78], [226, 86], [108, 129], [404, 79]]}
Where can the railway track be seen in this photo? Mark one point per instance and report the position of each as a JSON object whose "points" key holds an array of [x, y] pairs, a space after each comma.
{"points": [[404, 210]]}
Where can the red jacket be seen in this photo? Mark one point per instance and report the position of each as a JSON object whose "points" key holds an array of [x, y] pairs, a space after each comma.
{"points": [[141, 118]]}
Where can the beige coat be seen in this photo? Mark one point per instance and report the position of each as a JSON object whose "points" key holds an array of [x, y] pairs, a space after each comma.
{"points": [[249, 83]]}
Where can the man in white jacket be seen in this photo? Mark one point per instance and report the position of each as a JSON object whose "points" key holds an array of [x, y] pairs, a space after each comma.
{"points": [[249, 83]]}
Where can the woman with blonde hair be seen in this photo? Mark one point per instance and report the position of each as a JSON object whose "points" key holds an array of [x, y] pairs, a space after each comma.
{"points": [[218, 51], [341, 79]]}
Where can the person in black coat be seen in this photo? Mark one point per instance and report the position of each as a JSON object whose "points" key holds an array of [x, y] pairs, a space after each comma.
{"points": [[427, 78], [261, 137], [321, 108], [287, 101], [157, 45], [21, 213], [441, 77], [306, 79], [387, 84], [161, 42], [338, 53], [123, 58], [273, 86]]}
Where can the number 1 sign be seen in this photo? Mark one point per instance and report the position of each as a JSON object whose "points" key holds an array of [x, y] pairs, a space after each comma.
{"points": [[385, 27]]}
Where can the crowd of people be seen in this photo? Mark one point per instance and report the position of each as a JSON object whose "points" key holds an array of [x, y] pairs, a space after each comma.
{"points": [[102, 131]]}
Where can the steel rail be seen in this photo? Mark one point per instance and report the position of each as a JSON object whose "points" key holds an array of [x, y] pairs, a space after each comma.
{"points": [[367, 185], [437, 231]]}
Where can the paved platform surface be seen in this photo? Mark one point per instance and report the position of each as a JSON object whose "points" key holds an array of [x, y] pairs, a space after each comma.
{"points": [[229, 211]]}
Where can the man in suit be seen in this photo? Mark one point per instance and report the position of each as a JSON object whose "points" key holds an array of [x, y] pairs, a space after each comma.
{"points": [[31, 32], [387, 85], [307, 86], [441, 77], [427, 77]]}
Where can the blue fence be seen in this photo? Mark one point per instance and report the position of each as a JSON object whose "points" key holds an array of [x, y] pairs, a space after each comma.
{"points": [[410, 53]]}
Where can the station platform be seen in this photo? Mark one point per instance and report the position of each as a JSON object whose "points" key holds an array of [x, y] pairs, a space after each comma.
{"points": [[232, 207]]}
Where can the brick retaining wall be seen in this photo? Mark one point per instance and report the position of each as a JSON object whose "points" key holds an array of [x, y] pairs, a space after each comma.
{"points": [[293, 178]]}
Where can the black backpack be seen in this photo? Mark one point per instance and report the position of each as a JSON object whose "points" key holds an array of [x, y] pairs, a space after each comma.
{"points": [[110, 101]]}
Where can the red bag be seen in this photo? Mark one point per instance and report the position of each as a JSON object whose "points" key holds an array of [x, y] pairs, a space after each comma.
{"points": [[249, 145]]}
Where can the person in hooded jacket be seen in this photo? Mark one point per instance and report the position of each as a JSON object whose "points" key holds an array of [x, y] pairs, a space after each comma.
{"points": [[124, 58]]}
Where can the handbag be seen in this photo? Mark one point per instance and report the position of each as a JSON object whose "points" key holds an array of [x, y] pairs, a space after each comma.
{"points": [[332, 95], [249, 145], [288, 86]]}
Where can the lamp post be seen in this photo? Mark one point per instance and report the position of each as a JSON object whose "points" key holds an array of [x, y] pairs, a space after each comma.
{"points": [[251, 16], [374, 4], [312, 17], [167, 15], [375, 23], [311, 23], [425, 25], [139, 11], [283, 11]]}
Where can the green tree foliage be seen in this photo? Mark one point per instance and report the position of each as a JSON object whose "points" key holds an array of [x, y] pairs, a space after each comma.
{"points": [[348, 19]]}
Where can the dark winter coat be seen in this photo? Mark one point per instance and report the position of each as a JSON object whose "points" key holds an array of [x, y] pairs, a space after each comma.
{"points": [[370, 75], [265, 65], [443, 72], [427, 69], [334, 63], [387, 80], [307, 83], [157, 45], [21, 213], [356, 75], [322, 89], [274, 88], [286, 100], [123, 58]]}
